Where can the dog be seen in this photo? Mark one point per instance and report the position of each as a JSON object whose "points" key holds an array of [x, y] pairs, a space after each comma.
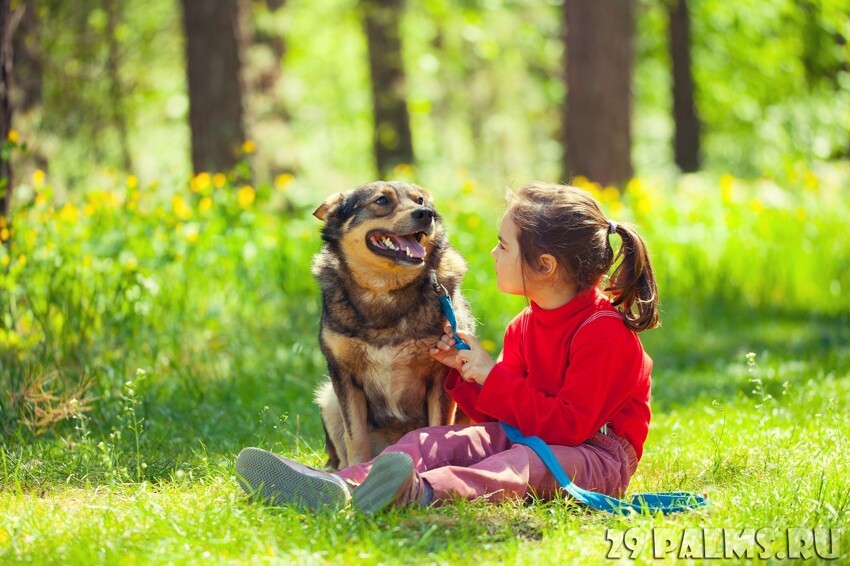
{"points": [[385, 254]]}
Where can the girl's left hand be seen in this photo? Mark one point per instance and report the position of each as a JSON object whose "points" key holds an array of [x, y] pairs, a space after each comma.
{"points": [[476, 362]]}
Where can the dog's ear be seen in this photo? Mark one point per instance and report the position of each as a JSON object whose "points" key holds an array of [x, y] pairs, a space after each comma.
{"points": [[332, 202]]}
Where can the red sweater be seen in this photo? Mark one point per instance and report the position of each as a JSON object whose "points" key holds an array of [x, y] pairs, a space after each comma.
{"points": [[562, 385]]}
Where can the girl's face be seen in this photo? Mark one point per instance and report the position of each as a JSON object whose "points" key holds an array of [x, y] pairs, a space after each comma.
{"points": [[508, 260]]}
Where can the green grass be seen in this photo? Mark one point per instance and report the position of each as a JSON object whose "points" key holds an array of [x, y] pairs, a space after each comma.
{"points": [[217, 308]]}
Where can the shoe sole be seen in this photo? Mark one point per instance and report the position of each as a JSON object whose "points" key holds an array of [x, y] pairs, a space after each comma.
{"points": [[268, 477], [381, 488]]}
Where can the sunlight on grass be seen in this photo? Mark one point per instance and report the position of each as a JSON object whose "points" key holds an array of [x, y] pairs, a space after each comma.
{"points": [[156, 330]]}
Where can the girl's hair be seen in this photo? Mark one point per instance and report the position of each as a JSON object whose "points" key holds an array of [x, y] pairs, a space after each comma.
{"points": [[567, 223]]}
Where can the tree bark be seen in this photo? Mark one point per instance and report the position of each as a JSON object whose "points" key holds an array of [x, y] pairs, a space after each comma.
{"points": [[116, 87], [215, 92], [596, 128], [686, 142], [28, 63], [392, 141], [5, 107]]}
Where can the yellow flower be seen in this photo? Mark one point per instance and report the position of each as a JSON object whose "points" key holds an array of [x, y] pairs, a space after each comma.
{"points": [[489, 345], [473, 221], [245, 196], [88, 260], [811, 181], [610, 194], [800, 214], [756, 206], [132, 182], [38, 178], [219, 180], [201, 182], [467, 187], [5, 260], [643, 206], [89, 209], [205, 204], [249, 147], [190, 233], [69, 214], [4, 234], [635, 187], [402, 170], [12, 136], [282, 181], [22, 260], [727, 182], [181, 209], [617, 209]]}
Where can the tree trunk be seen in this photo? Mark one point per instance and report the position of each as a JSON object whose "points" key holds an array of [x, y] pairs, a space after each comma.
{"points": [[116, 87], [276, 42], [687, 126], [5, 107], [597, 120], [391, 138], [28, 63], [215, 94]]}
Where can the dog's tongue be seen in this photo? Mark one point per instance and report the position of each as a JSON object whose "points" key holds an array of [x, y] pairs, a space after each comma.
{"points": [[409, 243]]}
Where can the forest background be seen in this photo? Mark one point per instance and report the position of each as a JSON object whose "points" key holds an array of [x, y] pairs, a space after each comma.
{"points": [[157, 314]]}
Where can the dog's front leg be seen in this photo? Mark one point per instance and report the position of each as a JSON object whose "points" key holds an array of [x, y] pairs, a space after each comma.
{"points": [[355, 420], [441, 407]]}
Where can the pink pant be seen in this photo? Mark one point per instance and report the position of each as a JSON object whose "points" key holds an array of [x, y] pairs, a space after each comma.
{"points": [[479, 461]]}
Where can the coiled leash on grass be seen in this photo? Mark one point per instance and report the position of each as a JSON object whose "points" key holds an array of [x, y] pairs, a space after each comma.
{"points": [[666, 501]]}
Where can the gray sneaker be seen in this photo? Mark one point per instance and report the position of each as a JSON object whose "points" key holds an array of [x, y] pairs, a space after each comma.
{"points": [[279, 481], [392, 481]]}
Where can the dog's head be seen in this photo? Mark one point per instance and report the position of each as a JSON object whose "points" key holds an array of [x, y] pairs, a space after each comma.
{"points": [[384, 230]]}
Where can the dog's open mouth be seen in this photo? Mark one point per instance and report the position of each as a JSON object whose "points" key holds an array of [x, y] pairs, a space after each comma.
{"points": [[400, 247]]}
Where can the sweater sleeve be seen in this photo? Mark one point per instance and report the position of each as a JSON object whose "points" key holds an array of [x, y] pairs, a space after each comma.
{"points": [[465, 394], [595, 385]]}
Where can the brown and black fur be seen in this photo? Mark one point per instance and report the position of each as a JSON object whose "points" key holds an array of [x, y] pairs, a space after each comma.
{"points": [[380, 317]]}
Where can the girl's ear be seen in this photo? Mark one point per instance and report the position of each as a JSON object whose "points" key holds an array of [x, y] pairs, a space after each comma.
{"points": [[332, 201], [547, 265]]}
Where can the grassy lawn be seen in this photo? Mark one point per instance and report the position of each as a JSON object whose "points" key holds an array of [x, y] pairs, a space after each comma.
{"points": [[173, 332]]}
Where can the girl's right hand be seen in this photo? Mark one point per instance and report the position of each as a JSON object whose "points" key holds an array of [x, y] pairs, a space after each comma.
{"points": [[444, 350]]}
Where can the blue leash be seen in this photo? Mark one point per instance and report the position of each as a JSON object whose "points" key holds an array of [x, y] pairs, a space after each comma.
{"points": [[665, 502]]}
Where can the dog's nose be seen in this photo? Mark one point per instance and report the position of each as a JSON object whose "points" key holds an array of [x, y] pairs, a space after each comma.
{"points": [[423, 214]]}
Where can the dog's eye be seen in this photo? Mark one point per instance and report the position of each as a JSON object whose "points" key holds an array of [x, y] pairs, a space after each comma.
{"points": [[420, 201], [382, 201]]}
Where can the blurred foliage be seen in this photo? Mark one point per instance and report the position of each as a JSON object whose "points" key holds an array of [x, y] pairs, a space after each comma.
{"points": [[485, 85], [204, 281], [205, 284]]}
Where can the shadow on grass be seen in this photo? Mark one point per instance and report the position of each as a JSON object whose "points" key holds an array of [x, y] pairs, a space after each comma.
{"points": [[700, 352]]}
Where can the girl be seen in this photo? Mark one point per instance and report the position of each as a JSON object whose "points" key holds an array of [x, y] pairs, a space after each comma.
{"points": [[572, 371]]}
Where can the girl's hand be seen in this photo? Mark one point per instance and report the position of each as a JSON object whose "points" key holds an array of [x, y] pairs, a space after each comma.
{"points": [[444, 350], [476, 363]]}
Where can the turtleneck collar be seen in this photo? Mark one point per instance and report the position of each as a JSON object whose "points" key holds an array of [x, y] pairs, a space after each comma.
{"points": [[554, 317]]}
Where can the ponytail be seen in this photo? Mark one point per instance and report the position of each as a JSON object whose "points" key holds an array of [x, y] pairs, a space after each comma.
{"points": [[567, 223], [633, 282]]}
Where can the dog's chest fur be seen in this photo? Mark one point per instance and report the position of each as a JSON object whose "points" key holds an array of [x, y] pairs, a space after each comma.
{"points": [[383, 346], [394, 377]]}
